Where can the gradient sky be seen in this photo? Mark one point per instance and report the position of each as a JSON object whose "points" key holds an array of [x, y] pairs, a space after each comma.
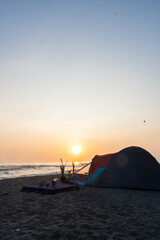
{"points": [[83, 72]]}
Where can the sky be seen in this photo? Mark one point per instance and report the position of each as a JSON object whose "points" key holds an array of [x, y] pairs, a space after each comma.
{"points": [[78, 72]]}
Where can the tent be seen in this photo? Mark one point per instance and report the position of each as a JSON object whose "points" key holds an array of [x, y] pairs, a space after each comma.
{"points": [[132, 167]]}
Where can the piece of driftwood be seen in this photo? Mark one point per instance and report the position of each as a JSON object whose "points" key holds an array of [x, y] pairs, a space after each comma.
{"points": [[45, 189]]}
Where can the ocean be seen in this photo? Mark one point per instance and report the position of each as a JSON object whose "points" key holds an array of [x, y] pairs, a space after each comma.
{"points": [[8, 171]]}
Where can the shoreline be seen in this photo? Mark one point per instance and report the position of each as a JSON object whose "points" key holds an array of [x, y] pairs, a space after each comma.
{"points": [[90, 213]]}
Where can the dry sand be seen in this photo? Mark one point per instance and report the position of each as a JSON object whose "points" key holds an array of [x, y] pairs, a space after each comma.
{"points": [[90, 213]]}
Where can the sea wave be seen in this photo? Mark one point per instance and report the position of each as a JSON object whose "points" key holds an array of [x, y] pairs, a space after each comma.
{"points": [[20, 167]]}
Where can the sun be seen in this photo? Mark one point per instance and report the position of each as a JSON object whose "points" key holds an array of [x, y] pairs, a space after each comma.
{"points": [[76, 149]]}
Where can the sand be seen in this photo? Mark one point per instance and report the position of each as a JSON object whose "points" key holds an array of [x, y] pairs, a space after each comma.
{"points": [[90, 213]]}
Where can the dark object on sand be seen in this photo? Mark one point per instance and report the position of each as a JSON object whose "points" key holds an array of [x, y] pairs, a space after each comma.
{"points": [[4, 194], [63, 179], [43, 189], [62, 168]]}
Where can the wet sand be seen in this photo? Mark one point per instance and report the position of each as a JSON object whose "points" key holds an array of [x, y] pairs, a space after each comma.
{"points": [[90, 213]]}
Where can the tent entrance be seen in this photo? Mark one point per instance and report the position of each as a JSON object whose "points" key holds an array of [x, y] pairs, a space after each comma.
{"points": [[95, 175]]}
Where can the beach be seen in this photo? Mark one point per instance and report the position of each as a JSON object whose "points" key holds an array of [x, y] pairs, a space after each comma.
{"points": [[90, 213]]}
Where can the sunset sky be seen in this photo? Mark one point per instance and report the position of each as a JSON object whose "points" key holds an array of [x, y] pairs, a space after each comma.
{"points": [[78, 72]]}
